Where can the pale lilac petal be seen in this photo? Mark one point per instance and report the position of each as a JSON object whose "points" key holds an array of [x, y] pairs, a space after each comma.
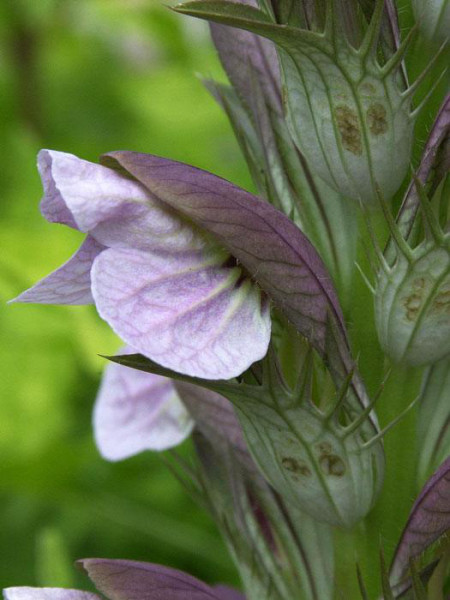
{"points": [[116, 210], [34, 593], [137, 411], [279, 257], [188, 313], [149, 227], [71, 283], [130, 580], [269, 245], [91, 193], [53, 206]]}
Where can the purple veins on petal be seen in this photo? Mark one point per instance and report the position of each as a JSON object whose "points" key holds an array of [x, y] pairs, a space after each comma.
{"points": [[187, 312], [34, 593], [244, 54], [71, 283], [137, 411], [130, 580], [270, 246], [428, 521]]}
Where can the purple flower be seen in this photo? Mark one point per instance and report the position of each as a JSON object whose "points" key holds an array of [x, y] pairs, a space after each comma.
{"points": [[162, 284], [137, 411], [130, 580]]}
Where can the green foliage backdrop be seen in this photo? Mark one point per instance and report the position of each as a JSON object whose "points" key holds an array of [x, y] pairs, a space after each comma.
{"points": [[88, 76]]}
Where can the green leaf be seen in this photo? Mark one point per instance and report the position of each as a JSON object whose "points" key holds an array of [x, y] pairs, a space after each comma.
{"points": [[385, 584], [362, 587]]}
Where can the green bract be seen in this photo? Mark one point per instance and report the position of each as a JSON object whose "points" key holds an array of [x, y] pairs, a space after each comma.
{"points": [[412, 306], [326, 461], [349, 116], [327, 470]]}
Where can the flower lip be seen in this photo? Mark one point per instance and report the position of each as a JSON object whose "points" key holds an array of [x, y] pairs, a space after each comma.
{"points": [[137, 411], [185, 312]]}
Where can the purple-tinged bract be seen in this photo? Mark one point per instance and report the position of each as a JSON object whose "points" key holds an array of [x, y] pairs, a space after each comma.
{"points": [[428, 521]]}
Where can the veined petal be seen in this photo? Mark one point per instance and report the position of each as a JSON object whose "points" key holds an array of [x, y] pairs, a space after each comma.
{"points": [[131, 580], [71, 283], [428, 521], [116, 210], [244, 55], [34, 593], [276, 253], [187, 312], [137, 411]]}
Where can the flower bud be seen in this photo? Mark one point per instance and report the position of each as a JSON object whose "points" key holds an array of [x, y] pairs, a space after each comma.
{"points": [[412, 306], [312, 456], [348, 114], [314, 462], [358, 135]]}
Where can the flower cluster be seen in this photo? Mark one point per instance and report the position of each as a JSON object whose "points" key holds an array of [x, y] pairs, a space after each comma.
{"points": [[230, 304]]}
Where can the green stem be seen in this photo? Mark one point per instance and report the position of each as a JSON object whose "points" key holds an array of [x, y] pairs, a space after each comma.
{"points": [[386, 521]]}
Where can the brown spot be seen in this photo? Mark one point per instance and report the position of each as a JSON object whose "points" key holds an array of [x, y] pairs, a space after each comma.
{"points": [[332, 465], [348, 125], [419, 283], [298, 467], [412, 306], [441, 303], [376, 119], [324, 448], [368, 89]]}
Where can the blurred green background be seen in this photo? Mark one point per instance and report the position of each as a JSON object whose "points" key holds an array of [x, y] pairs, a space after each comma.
{"points": [[88, 76]]}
